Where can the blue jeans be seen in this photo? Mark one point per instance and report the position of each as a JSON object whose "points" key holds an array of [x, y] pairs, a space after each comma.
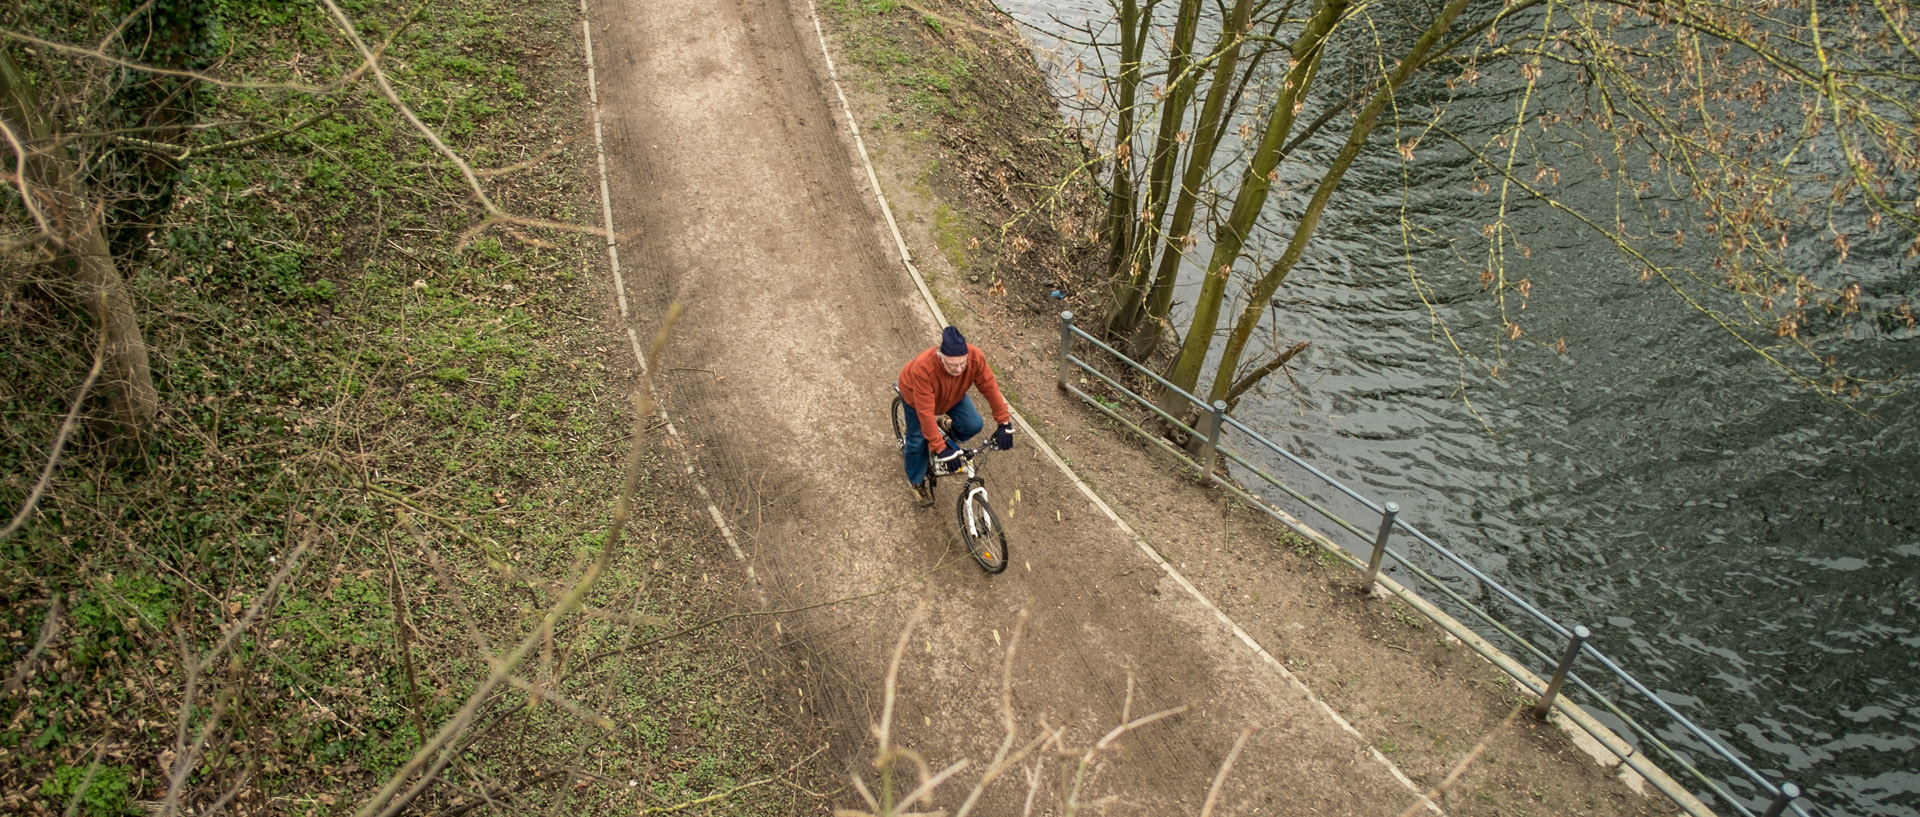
{"points": [[966, 423]]}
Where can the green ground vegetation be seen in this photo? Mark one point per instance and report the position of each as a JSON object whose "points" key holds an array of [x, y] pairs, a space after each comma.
{"points": [[335, 346], [959, 88]]}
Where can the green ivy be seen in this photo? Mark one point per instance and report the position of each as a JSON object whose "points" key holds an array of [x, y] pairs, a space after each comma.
{"points": [[108, 794]]}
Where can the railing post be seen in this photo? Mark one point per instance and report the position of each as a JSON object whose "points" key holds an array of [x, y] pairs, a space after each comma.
{"points": [[1066, 346], [1788, 793], [1579, 637], [1213, 438], [1380, 544]]}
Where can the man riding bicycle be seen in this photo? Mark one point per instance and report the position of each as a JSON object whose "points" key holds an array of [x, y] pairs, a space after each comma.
{"points": [[934, 383]]}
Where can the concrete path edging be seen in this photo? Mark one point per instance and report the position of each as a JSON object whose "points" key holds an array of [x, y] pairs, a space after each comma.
{"points": [[626, 315]]}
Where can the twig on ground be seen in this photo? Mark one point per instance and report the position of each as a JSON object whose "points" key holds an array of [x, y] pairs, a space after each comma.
{"points": [[390, 799], [1220, 779], [233, 791], [1461, 767], [59, 442], [403, 629], [495, 215], [761, 613], [447, 585], [484, 797], [544, 692], [185, 757], [23, 669], [718, 796]]}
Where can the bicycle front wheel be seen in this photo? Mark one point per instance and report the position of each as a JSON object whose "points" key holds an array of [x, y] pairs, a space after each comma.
{"points": [[980, 530]]}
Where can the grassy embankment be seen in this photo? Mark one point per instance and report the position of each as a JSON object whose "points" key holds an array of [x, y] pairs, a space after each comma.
{"points": [[327, 357], [992, 162]]}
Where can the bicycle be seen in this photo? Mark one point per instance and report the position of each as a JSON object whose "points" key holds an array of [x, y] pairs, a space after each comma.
{"points": [[980, 529]]}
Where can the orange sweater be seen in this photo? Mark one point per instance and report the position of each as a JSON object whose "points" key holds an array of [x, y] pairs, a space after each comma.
{"points": [[930, 391]]}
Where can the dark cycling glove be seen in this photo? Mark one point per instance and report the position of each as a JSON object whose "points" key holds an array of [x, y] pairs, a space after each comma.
{"points": [[1003, 437], [949, 459]]}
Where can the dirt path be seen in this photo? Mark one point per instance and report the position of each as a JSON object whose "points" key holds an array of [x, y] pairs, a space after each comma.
{"points": [[723, 150]]}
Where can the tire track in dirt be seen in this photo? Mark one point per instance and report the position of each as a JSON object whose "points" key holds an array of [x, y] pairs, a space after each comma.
{"points": [[722, 152]]}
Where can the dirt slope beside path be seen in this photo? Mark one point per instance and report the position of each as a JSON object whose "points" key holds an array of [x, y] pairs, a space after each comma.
{"points": [[723, 151]]}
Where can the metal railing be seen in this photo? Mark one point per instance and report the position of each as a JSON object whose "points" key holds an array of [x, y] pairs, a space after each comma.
{"points": [[1209, 431]]}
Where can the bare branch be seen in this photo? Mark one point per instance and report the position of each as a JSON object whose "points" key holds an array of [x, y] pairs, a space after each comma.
{"points": [[181, 153], [372, 61], [883, 731], [403, 629], [79, 792], [233, 791], [447, 584], [197, 76], [1253, 378], [23, 669], [20, 182], [59, 442], [1106, 741], [122, 26], [1000, 760], [1461, 767], [186, 757], [390, 799], [1213, 794]]}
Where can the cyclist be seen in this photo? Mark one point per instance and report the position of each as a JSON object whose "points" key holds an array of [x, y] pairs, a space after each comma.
{"points": [[934, 383]]}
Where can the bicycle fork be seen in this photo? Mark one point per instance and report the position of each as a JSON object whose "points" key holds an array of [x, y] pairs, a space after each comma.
{"points": [[975, 488]]}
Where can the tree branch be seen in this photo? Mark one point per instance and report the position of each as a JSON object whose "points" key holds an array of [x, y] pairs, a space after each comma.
{"points": [[49, 630], [1243, 384], [494, 213], [59, 442]]}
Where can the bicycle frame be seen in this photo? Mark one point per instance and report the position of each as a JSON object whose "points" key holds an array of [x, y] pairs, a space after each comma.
{"points": [[967, 465]]}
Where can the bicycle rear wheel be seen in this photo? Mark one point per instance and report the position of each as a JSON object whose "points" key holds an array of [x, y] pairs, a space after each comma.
{"points": [[898, 413], [980, 530]]}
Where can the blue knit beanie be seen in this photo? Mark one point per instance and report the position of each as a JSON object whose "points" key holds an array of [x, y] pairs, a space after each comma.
{"points": [[951, 344]]}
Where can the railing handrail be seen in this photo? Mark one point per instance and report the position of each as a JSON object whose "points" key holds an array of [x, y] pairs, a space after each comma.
{"points": [[1783, 796]]}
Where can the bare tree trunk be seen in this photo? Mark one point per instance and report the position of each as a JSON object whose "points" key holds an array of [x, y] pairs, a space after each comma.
{"points": [[71, 228], [1146, 330], [1119, 224], [1262, 290], [1230, 237], [1130, 291], [135, 403]]}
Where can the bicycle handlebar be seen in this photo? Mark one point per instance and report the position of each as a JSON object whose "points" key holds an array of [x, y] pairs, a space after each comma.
{"points": [[968, 454]]}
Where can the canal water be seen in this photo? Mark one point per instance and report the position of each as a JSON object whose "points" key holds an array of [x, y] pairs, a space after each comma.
{"points": [[1747, 548]]}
